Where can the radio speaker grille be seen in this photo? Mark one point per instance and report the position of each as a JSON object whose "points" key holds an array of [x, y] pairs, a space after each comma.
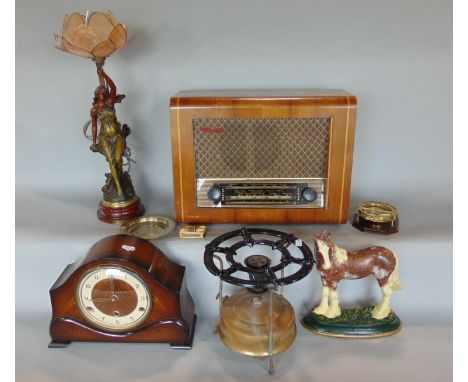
{"points": [[261, 147]]}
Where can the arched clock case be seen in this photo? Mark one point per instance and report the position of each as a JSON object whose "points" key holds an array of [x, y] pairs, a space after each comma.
{"points": [[124, 290]]}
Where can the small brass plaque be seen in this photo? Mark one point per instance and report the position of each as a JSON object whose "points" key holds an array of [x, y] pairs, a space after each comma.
{"points": [[192, 232]]}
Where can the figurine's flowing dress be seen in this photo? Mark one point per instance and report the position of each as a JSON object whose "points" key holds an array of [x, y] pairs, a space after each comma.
{"points": [[112, 145]]}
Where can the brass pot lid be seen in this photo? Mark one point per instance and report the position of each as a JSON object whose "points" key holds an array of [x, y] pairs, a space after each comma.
{"points": [[148, 227], [378, 212]]}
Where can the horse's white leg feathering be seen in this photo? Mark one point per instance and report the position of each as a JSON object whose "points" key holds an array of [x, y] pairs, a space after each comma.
{"points": [[393, 284], [334, 308], [323, 307], [394, 279], [383, 309]]}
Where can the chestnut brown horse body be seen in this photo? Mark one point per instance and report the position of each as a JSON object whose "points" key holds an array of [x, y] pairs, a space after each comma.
{"points": [[335, 264]]}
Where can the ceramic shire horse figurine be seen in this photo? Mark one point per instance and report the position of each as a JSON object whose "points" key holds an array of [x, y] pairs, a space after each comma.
{"points": [[335, 264]]}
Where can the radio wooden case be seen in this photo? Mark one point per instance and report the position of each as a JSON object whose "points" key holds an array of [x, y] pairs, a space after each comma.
{"points": [[262, 156]]}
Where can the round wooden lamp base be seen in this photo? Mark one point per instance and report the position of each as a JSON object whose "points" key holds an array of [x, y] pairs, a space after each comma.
{"points": [[118, 212]]}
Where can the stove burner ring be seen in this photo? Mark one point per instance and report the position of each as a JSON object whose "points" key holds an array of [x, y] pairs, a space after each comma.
{"points": [[257, 262], [260, 272]]}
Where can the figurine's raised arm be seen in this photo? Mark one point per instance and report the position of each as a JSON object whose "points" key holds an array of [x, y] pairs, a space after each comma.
{"points": [[111, 85]]}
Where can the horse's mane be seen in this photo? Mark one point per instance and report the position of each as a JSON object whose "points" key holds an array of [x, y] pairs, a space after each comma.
{"points": [[340, 255], [326, 259]]}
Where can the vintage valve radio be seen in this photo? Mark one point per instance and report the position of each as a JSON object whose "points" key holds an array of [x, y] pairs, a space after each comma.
{"points": [[257, 321], [262, 156]]}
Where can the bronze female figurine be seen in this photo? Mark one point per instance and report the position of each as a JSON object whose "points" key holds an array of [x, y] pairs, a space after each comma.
{"points": [[109, 138], [97, 36], [110, 141]]}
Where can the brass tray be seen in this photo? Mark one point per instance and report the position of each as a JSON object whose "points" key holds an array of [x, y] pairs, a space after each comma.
{"points": [[148, 227]]}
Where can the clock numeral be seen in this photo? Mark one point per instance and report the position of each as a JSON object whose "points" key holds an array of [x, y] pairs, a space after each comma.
{"points": [[87, 286], [131, 318], [96, 277], [117, 321], [137, 286], [143, 298], [103, 318]]}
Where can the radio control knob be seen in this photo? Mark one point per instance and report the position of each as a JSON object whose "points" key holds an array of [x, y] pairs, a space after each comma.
{"points": [[214, 194], [309, 194]]}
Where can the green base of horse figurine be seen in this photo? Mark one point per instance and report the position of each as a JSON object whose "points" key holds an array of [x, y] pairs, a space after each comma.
{"points": [[353, 323]]}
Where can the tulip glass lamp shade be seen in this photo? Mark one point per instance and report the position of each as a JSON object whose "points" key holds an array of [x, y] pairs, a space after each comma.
{"points": [[96, 36]]}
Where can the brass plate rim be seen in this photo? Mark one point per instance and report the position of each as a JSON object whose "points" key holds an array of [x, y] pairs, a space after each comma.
{"points": [[131, 227], [126, 203]]}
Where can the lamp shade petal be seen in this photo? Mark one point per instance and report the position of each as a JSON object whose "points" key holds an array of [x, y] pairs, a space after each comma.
{"points": [[104, 49], [119, 36], [100, 23], [71, 24], [112, 18], [85, 38], [64, 45]]}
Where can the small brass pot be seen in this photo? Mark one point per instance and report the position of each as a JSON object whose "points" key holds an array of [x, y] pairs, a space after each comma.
{"points": [[244, 323], [376, 217]]}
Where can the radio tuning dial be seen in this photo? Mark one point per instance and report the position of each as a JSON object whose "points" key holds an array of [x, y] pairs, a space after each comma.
{"points": [[214, 194], [309, 194]]}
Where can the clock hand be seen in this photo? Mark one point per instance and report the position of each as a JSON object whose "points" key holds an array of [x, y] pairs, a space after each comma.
{"points": [[112, 285], [101, 299]]}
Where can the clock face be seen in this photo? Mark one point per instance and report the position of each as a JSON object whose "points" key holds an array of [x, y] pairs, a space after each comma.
{"points": [[113, 299]]}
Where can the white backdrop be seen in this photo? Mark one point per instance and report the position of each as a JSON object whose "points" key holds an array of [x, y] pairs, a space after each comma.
{"points": [[395, 56]]}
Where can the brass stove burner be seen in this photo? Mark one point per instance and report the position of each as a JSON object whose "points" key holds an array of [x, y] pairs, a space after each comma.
{"points": [[257, 321], [244, 323]]}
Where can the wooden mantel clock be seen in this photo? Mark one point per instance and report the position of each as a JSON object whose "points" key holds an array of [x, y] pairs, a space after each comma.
{"points": [[124, 290]]}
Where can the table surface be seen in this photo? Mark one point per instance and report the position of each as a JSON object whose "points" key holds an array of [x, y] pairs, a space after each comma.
{"points": [[47, 240], [416, 353]]}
